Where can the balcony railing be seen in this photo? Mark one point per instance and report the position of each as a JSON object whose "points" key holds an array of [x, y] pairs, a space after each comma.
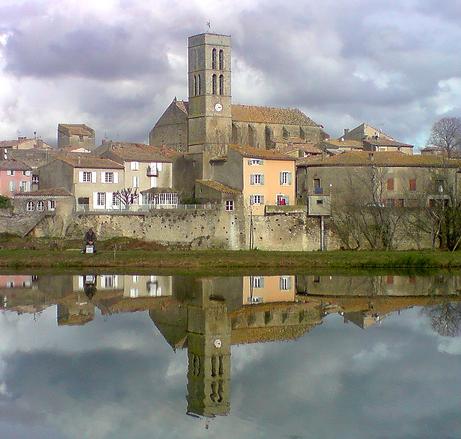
{"points": [[318, 190]]}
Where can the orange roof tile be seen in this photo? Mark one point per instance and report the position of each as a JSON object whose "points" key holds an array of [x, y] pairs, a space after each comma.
{"points": [[258, 153], [87, 161], [141, 152], [381, 158]]}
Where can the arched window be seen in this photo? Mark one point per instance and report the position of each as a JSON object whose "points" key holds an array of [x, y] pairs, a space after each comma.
{"points": [[213, 59], [40, 205], [221, 84], [221, 59], [213, 84], [30, 206], [194, 91], [199, 85]]}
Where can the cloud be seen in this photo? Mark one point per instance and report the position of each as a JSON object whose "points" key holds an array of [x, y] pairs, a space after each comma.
{"points": [[116, 65]]}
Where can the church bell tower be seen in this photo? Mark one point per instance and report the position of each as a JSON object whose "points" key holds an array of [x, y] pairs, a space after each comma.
{"points": [[210, 118]]}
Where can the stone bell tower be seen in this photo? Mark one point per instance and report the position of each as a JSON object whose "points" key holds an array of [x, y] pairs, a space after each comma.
{"points": [[210, 118]]}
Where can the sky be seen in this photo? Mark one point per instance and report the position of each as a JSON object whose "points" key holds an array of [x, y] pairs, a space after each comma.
{"points": [[117, 64]]}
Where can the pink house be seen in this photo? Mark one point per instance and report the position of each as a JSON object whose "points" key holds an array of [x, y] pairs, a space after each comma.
{"points": [[15, 176]]}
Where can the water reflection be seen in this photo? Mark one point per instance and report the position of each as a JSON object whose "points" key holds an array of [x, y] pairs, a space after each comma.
{"points": [[206, 316]]}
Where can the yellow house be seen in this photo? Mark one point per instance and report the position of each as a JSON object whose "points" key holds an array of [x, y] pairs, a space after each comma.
{"points": [[264, 177]]}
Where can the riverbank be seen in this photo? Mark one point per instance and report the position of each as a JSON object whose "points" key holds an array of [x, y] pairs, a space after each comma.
{"points": [[66, 255]]}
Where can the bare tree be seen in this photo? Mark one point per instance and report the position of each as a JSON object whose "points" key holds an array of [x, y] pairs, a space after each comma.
{"points": [[446, 318], [127, 196], [446, 135]]}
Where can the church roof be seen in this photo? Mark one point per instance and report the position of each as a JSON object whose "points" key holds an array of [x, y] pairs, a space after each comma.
{"points": [[257, 114]]}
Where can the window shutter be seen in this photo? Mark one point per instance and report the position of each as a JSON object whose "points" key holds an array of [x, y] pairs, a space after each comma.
{"points": [[262, 178], [288, 283], [93, 177], [289, 177], [262, 199], [159, 166], [80, 176], [95, 200], [252, 199], [103, 176], [252, 179], [115, 177], [262, 281], [281, 178]]}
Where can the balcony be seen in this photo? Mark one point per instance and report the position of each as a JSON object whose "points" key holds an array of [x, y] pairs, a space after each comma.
{"points": [[152, 171], [318, 190]]}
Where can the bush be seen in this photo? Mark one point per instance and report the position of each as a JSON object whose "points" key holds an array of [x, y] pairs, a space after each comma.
{"points": [[5, 202]]}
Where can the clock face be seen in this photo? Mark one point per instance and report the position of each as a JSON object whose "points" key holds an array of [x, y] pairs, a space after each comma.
{"points": [[218, 107]]}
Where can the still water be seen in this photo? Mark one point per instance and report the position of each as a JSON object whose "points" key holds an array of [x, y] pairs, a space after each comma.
{"points": [[149, 356]]}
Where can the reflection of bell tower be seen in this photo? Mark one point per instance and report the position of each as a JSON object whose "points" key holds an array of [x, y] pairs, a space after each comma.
{"points": [[209, 341]]}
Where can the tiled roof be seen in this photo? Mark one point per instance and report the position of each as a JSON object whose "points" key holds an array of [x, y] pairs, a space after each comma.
{"points": [[74, 149], [259, 153], [361, 130], [384, 158], [141, 152], [216, 185], [15, 143], [309, 148], [51, 192], [78, 129], [13, 165], [381, 141], [287, 116], [257, 114], [346, 143], [87, 161]]}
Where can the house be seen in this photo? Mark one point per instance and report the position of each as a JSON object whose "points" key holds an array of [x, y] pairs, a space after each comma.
{"points": [[211, 191], [23, 142], [373, 139], [14, 176], [79, 135], [299, 148], [52, 200], [263, 177], [149, 169], [93, 181], [400, 179]]}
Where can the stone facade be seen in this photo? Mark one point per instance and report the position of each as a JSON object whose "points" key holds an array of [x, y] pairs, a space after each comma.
{"points": [[77, 135]]}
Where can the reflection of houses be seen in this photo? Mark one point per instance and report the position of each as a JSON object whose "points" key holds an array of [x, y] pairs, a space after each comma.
{"points": [[266, 289]]}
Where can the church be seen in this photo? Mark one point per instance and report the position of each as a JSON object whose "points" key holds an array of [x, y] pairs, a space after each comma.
{"points": [[208, 122]]}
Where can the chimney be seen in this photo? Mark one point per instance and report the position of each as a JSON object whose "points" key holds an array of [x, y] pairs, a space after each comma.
{"points": [[346, 131]]}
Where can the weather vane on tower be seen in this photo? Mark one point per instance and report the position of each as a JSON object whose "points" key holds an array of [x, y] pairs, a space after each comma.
{"points": [[208, 23]]}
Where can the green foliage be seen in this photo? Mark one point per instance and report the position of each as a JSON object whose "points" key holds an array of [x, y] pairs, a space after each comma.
{"points": [[5, 202]]}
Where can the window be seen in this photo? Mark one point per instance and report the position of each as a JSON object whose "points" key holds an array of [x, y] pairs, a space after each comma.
{"points": [[199, 84], [108, 177], [221, 84], [12, 186], [285, 178], [390, 202], [26, 173], [51, 204], [195, 89], [317, 187], [256, 199], [87, 177], [135, 166], [9, 172], [135, 278], [80, 138], [412, 183], [152, 170], [285, 283], [282, 200], [40, 206], [257, 282], [213, 59], [319, 202], [221, 59], [256, 179], [115, 199], [135, 181], [134, 292], [390, 184], [440, 186], [213, 84], [30, 206], [253, 162], [400, 202], [23, 186], [101, 199], [10, 284], [229, 205], [35, 179]]}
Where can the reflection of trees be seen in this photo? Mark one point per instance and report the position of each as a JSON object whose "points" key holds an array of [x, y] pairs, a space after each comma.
{"points": [[446, 318]]}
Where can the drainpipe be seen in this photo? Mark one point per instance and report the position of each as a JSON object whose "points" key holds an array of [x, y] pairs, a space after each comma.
{"points": [[322, 233]]}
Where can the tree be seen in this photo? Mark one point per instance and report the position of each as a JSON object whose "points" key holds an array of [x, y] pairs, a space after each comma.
{"points": [[127, 196], [446, 318], [446, 135]]}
